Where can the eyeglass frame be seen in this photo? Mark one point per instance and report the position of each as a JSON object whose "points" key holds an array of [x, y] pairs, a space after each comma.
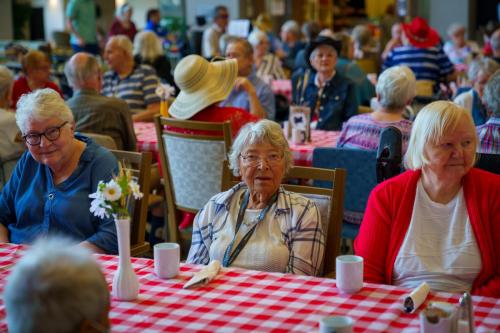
{"points": [[39, 135], [270, 161]]}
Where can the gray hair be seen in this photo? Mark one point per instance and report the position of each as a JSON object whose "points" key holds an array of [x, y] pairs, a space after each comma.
{"points": [[123, 42], [491, 94], [55, 287], [291, 26], [454, 28], [42, 104], [6, 81], [361, 35], [495, 40], [486, 66], [256, 37], [263, 131], [396, 86], [120, 11], [433, 122], [79, 72], [247, 47], [148, 46]]}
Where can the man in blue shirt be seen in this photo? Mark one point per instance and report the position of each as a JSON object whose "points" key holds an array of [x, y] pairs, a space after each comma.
{"points": [[249, 92]]}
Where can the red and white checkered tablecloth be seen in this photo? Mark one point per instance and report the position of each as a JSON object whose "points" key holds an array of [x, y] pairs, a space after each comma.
{"points": [[240, 300], [146, 137], [303, 153], [282, 87]]}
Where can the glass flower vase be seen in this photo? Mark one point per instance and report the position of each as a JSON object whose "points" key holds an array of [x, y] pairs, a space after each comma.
{"points": [[125, 281]]}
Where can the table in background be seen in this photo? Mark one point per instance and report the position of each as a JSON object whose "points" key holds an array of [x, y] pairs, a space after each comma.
{"points": [[239, 300], [282, 87], [302, 154]]}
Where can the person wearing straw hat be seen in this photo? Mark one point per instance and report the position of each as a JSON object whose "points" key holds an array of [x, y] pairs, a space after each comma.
{"points": [[198, 99], [422, 52]]}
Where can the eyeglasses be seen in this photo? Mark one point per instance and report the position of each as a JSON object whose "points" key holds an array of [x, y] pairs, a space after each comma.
{"points": [[51, 134], [254, 159]]}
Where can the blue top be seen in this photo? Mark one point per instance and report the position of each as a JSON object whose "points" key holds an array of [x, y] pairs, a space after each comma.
{"points": [[32, 206], [239, 98], [338, 99], [156, 28]]}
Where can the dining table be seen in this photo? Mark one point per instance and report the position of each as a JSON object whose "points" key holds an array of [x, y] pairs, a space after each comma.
{"points": [[241, 300], [302, 153]]}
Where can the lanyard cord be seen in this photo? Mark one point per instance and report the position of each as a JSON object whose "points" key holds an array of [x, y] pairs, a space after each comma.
{"points": [[230, 257]]}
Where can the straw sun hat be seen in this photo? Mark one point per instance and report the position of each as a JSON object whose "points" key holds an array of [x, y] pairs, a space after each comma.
{"points": [[202, 84]]}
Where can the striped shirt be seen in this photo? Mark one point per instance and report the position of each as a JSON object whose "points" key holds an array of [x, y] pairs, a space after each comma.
{"points": [[270, 68], [363, 132], [293, 223], [489, 136], [429, 63], [137, 89]]}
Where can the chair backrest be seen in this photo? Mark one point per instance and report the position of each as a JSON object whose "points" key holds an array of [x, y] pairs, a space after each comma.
{"points": [[489, 162], [103, 140], [329, 201], [368, 65], [364, 109], [192, 153], [361, 179], [140, 165], [425, 88]]}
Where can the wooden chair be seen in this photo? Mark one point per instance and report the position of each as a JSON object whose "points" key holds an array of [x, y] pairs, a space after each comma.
{"points": [[425, 88], [329, 200], [192, 153], [140, 165], [364, 109], [368, 65]]}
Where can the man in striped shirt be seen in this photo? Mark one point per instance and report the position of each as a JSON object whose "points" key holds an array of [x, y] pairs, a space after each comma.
{"points": [[422, 52], [134, 83], [489, 133]]}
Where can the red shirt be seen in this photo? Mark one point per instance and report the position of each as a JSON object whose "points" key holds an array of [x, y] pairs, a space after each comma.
{"points": [[21, 87], [117, 28]]}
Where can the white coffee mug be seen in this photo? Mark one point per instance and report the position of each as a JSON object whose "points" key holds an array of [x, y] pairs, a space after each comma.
{"points": [[349, 273], [336, 324], [166, 260], [298, 136]]}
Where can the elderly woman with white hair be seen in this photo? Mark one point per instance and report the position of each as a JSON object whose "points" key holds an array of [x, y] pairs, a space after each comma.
{"points": [[438, 221], [48, 192], [57, 287], [489, 133], [257, 224], [267, 64], [459, 50], [479, 72], [135, 84], [148, 50], [123, 24], [396, 89], [290, 43]]}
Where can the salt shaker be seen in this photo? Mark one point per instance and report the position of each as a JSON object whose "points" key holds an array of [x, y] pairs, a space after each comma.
{"points": [[466, 312]]}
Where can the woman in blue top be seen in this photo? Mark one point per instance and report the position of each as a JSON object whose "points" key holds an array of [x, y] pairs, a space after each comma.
{"points": [[330, 95], [49, 189]]}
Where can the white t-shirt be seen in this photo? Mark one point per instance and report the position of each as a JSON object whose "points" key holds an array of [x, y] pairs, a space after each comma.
{"points": [[439, 247]]}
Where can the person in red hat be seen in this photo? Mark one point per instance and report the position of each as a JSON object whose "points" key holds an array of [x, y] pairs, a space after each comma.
{"points": [[422, 52]]}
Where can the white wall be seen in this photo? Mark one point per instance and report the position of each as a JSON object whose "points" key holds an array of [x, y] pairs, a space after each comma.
{"points": [[53, 16], [445, 12], [141, 7], [206, 7], [6, 30]]}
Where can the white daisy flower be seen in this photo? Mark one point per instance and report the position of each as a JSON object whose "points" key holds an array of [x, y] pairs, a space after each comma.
{"points": [[134, 188], [112, 191], [99, 208]]}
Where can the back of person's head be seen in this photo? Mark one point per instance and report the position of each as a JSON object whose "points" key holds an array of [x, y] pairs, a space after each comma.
{"points": [[361, 35], [310, 30], [40, 105], [396, 87], [256, 37], [434, 121], [33, 59], [6, 82], [491, 94], [122, 42], [147, 45], [81, 69], [56, 287], [345, 44], [481, 66]]}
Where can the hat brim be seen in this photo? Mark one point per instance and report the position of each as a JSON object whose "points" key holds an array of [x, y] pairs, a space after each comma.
{"points": [[322, 40], [431, 40], [219, 81]]}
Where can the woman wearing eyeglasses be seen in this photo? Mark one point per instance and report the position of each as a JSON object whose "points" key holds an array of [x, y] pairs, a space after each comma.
{"points": [[257, 224], [48, 191]]}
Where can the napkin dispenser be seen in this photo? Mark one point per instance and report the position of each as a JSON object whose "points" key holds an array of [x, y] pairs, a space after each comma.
{"points": [[439, 317]]}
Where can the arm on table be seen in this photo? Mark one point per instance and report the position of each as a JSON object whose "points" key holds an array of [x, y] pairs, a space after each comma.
{"points": [[92, 247], [148, 114]]}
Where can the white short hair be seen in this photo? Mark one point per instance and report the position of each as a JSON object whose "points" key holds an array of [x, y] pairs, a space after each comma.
{"points": [[55, 287], [454, 27], [263, 131], [256, 37], [396, 86], [123, 42], [433, 122], [42, 104], [291, 26], [6, 81], [486, 66], [148, 46]]}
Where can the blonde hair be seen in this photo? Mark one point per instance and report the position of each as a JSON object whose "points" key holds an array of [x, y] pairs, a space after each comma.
{"points": [[148, 46], [33, 59], [396, 86], [123, 42], [433, 122]]}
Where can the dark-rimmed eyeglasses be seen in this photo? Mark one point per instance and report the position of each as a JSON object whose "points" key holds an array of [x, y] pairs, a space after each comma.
{"points": [[51, 134]]}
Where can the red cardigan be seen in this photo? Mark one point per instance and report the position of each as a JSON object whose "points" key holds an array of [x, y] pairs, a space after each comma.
{"points": [[388, 214], [21, 87]]}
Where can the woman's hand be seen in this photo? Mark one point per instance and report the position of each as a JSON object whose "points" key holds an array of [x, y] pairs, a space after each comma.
{"points": [[4, 234]]}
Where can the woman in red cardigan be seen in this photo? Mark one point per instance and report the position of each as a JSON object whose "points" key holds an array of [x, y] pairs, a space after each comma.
{"points": [[439, 221]]}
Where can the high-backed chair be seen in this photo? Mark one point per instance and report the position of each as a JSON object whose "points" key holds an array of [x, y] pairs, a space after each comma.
{"points": [[329, 201], [489, 162], [140, 165], [361, 179], [192, 154]]}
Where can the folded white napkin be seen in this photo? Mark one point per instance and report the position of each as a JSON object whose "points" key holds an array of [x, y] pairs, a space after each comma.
{"points": [[416, 297], [204, 276]]}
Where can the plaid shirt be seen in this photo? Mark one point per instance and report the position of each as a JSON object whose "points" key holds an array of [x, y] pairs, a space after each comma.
{"points": [[298, 219], [489, 136]]}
